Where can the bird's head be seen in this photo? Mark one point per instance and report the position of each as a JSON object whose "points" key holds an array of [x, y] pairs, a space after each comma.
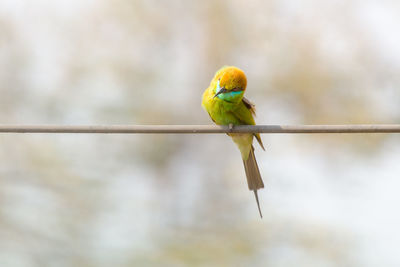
{"points": [[230, 84]]}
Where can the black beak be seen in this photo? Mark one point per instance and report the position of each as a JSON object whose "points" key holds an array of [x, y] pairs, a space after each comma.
{"points": [[222, 90]]}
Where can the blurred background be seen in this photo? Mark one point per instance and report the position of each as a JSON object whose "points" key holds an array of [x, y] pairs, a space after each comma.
{"points": [[182, 200]]}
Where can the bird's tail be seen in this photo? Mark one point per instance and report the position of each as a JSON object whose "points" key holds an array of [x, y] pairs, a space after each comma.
{"points": [[254, 179]]}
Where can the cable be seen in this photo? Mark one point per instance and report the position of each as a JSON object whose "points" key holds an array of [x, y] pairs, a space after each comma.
{"points": [[197, 129]]}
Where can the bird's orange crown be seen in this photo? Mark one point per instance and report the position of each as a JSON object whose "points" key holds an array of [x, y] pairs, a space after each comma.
{"points": [[231, 78]]}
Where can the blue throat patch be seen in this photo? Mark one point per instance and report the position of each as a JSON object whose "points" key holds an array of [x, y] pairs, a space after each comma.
{"points": [[230, 96]]}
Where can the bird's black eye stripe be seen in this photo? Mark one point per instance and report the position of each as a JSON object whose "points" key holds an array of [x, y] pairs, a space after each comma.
{"points": [[237, 89]]}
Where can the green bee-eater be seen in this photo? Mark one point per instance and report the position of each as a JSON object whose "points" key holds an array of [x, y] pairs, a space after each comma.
{"points": [[224, 102]]}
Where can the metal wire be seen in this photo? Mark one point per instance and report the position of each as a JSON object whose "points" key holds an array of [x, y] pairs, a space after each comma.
{"points": [[197, 129]]}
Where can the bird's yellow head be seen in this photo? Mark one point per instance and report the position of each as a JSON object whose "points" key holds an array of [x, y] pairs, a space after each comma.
{"points": [[229, 84]]}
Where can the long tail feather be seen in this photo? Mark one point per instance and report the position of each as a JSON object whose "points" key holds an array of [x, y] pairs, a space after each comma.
{"points": [[254, 179], [258, 203]]}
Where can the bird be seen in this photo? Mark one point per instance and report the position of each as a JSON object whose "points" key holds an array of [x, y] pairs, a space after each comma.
{"points": [[226, 105]]}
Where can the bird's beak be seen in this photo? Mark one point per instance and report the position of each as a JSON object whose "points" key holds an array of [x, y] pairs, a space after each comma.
{"points": [[222, 90]]}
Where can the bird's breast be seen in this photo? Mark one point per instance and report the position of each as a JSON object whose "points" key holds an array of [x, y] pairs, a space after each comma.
{"points": [[220, 111]]}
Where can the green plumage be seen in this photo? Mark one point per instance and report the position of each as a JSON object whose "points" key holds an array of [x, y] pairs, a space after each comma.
{"points": [[224, 102]]}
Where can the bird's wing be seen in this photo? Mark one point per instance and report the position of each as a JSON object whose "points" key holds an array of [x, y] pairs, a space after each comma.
{"points": [[246, 117], [249, 105]]}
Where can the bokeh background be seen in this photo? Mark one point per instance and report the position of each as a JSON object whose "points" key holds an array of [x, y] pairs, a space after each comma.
{"points": [[182, 200]]}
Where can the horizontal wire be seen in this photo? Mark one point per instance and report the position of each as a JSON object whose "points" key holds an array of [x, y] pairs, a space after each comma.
{"points": [[198, 129]]}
